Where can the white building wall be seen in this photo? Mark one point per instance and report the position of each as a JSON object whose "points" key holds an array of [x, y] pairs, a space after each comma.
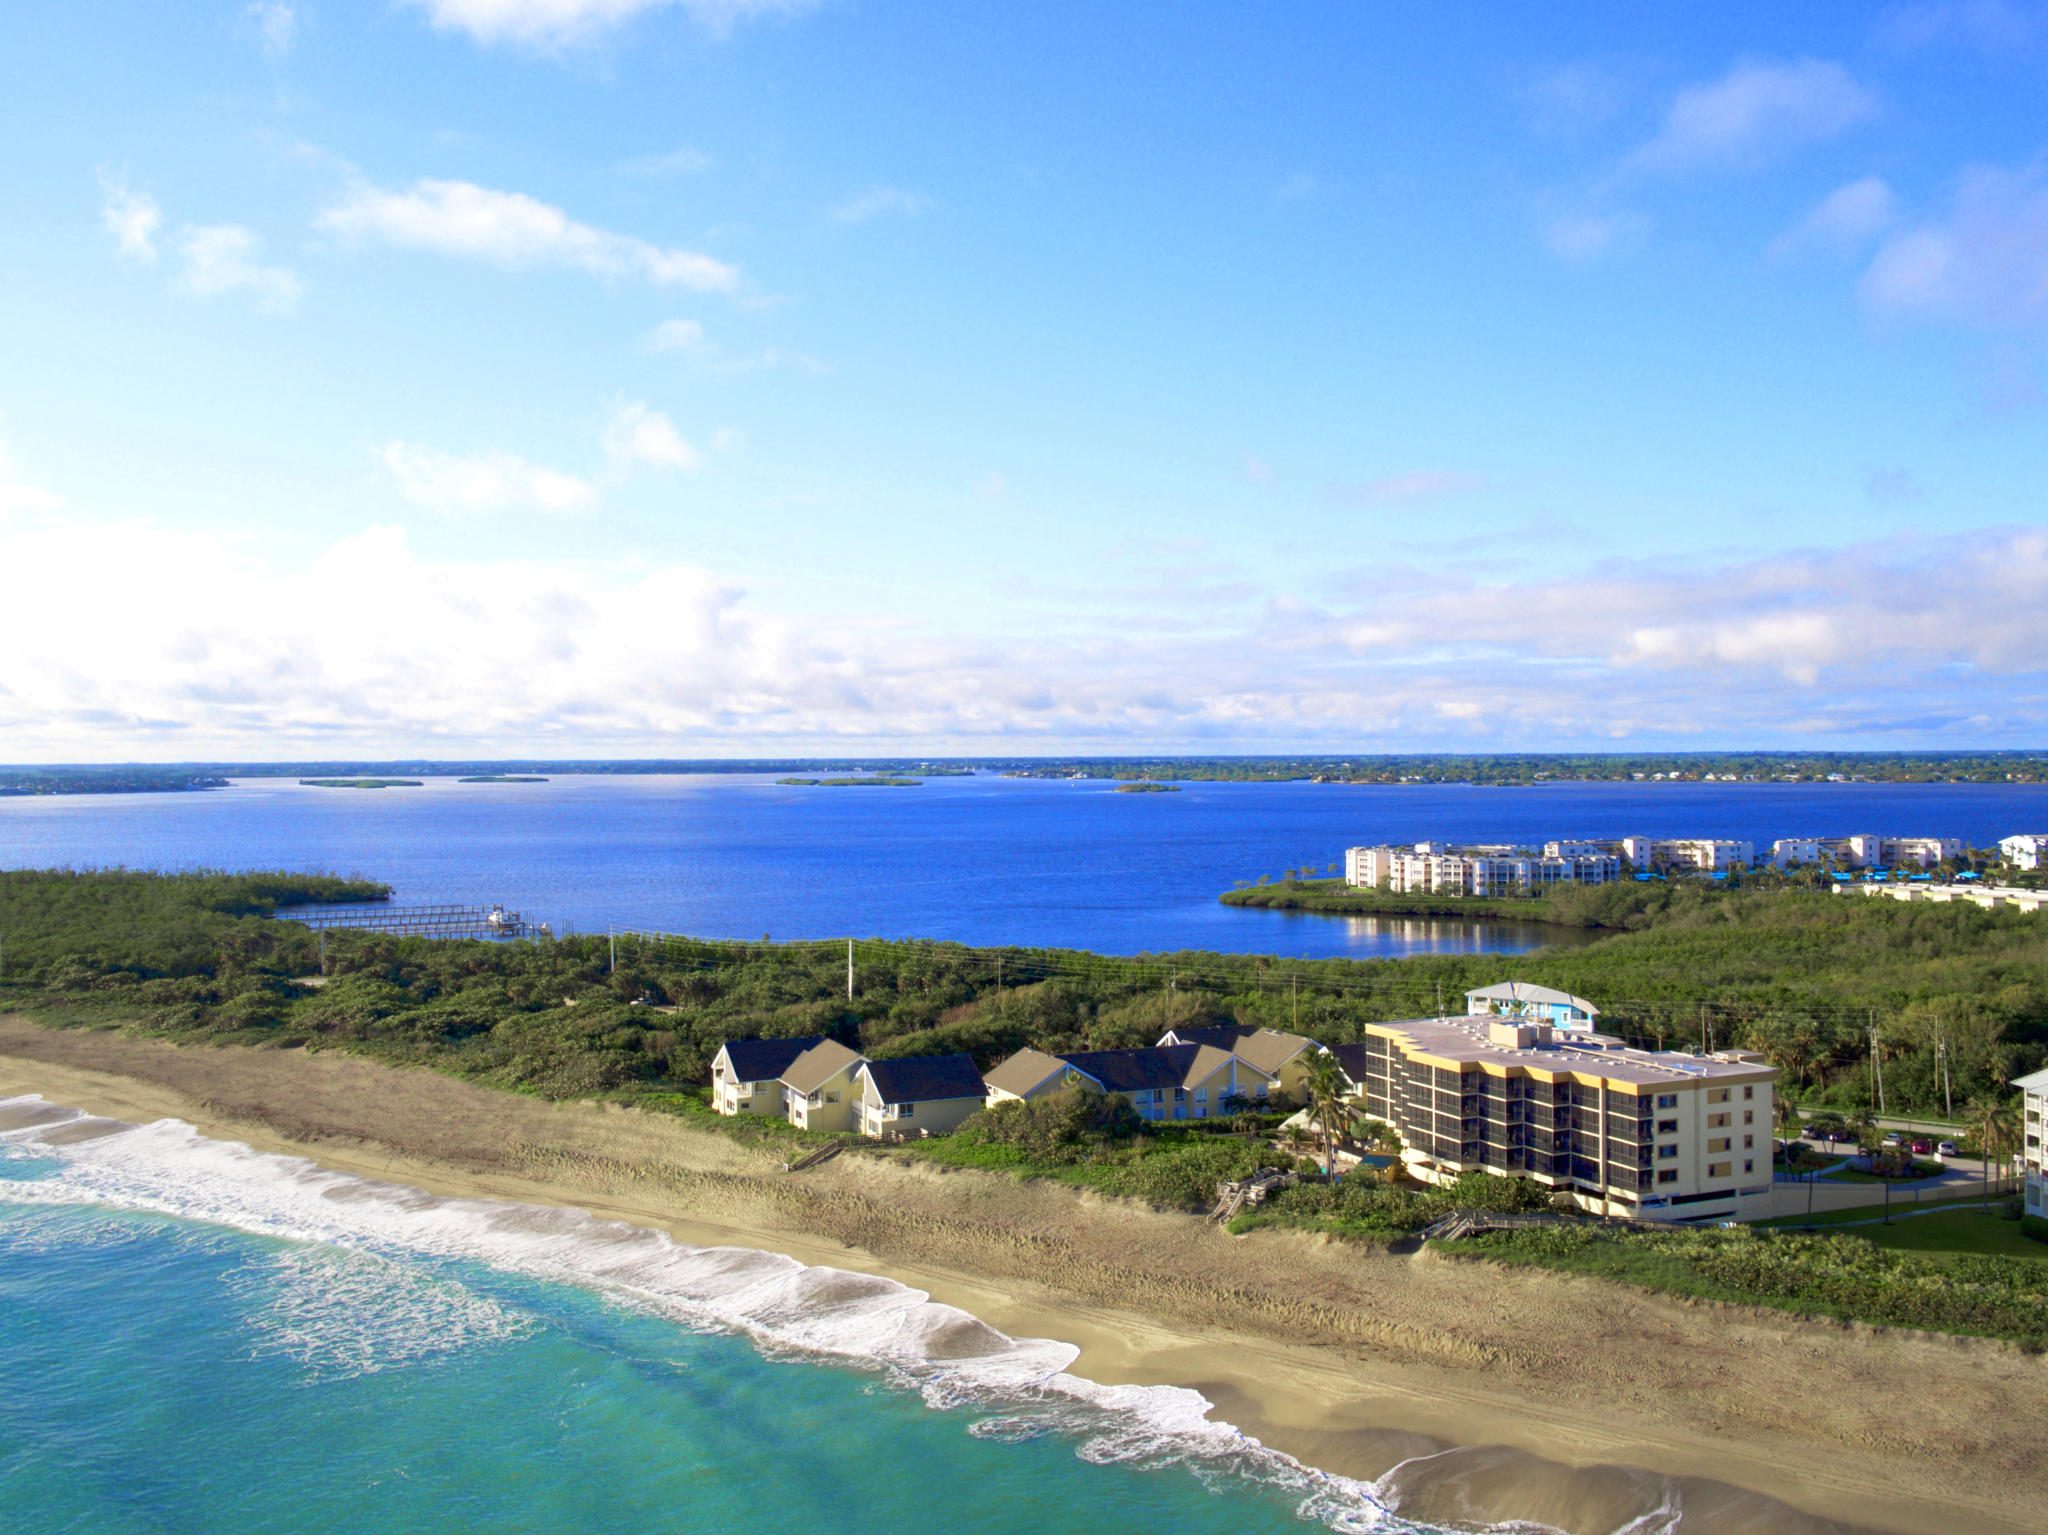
{"points": [[2026, 851]]}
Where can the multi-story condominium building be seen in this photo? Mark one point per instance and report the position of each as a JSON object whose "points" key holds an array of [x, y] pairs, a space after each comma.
{"points": [[1701, 855], [2033, 1156], [915, 1096], [1532, 1004], [2029, 850], [1286, 1058], [1435, 868], [1623, 1132], [1790, 850], [1868, 850]]}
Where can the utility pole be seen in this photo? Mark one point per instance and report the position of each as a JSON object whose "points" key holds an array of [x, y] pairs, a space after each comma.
{"points": [[849, 969], [1948, 1097], [1297, 1004], [1877, 1070]]}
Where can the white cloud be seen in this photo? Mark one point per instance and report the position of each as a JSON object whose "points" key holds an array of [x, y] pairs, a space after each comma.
{"points": [[131, 217], [277, 22], [876, 202], [483, 484], [1984, 264], [512, 230], [676, 162], [222, 258], [1845, 219], [675, 336], [639, 437], [194, 647], [1754, 113], [553, 24], [1587, 237]]}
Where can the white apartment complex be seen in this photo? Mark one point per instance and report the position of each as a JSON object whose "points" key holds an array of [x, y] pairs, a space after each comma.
{"points": [[1866, 850], [2029, 850], [1700, 855], [1437, 868], [1646, 1133], [2033, 1127]]}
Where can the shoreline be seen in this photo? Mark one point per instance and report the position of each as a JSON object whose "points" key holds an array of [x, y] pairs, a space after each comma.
{"points": [[1437, 1363]]}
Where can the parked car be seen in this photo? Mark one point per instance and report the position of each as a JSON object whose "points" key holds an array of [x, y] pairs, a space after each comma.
{"points": [[1945, 1149], [1921, 1148], [1894, 1140]]}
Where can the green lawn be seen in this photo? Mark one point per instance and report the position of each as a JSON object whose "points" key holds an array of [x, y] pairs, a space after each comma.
{"points": [[1900, 1204], [1956, 1231], [1921, 1170]]}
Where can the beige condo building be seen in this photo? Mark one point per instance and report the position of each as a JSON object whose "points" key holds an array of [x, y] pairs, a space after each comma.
{"points": [[1648, 1133]]}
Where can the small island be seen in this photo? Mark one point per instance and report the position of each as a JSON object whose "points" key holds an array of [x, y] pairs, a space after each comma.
{"points": [[1148, 788], [502, 778], [361, 783], [851, 783]]}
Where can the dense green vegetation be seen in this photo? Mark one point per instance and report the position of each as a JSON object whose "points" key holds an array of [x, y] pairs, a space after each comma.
{"points": [[1803, 978], [1148, 787], [1833, 1275], [106, 780], [1363, 1206], [502, 778], [360, 783]]}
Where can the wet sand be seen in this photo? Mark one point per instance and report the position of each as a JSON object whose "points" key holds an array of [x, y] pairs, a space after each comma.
{"points": [[1500, 1394]]}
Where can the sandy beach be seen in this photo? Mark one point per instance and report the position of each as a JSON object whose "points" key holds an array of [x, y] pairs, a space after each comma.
{"points": [[1536, 1396]]}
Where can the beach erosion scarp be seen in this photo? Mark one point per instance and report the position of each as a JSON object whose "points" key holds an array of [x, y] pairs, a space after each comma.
{"points": [[1450, 1391]]}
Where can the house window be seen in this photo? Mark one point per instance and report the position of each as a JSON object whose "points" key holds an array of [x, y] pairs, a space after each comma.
{"points": [[1748, 1165], [1180, 1095], [1667, 1127], [1667, 1153], [1717, 1145], [1749, 1116], [1749, 1143], [1667, 1100], [1668, 1175], [1717, 1095], [1749, 1092], [906, 1110], [1717, 1121], [1201, 1095], [1719, 1169]]}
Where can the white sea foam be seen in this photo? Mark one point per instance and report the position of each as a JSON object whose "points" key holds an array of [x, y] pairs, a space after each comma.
{"points": [[331, 1302]]}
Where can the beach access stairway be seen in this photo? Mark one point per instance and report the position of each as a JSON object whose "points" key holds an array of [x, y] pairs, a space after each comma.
{"points": [[813, 1158], [1465, 1223], [1234, 1198]]}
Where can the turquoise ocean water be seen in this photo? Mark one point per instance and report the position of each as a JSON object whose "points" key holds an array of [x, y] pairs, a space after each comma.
{"points": [[195, 1336]]}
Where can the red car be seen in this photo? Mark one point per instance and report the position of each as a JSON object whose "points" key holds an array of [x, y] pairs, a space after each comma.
{"points": [[1921, 1148]]}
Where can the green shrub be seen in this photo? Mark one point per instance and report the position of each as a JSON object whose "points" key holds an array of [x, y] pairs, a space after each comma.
{"points": [[2034, 1226]]}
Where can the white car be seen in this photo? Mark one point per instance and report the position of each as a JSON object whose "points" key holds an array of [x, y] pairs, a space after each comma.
{"points": [[1945, 1149]]}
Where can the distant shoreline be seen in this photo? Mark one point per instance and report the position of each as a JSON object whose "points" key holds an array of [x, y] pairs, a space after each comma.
{"points": [[1332, 897]]}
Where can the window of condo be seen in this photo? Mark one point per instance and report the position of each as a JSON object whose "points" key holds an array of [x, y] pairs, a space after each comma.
{"points": [[1668, 1175], [906, 1111], [1667, 1100], [1717, 1145], [1749, 1116], [1748, 1165], [1749, 1092], [1666, 1153], [1717, 1121], [1719, 1169], [1180, 1095], [1667, 1127], [1717, 1095], [1748, 1143]]}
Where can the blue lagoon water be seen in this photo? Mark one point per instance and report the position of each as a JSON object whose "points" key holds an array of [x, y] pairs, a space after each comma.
{"points": [[984, 860], [196, 1336]]}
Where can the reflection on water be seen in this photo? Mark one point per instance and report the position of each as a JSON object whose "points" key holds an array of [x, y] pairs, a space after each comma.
{"points": [[1398, 937]]}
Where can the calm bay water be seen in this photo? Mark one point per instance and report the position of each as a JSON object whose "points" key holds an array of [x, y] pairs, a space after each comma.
{"points": [[982, 860]]}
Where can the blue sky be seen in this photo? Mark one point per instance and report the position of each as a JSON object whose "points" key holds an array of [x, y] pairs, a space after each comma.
{"points": [[728, 376]]}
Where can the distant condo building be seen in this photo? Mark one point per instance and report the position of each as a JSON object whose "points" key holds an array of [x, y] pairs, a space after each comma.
{"points": [[1698, 855], [1866, 851], [2026, 851], [1624, 1132], [1440, 869]]}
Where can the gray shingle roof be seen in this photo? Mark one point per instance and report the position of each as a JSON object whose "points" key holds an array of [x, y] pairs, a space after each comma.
{"points": [[818, 1065], [924, 1078], [765, 1060]]}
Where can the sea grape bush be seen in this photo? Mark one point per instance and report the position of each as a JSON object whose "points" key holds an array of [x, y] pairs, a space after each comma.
{"points": [[1844, 1275]]}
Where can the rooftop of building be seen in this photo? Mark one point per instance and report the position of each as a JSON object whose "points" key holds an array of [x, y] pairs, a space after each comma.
{"points": [[1267, 1049], [1528, 991], [1469, 1040], [765, 1060], [922, 1078]]}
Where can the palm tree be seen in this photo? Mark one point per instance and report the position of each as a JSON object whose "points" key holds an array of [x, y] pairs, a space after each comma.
{"points": [[1992, 1124], [1328, 1103]]}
